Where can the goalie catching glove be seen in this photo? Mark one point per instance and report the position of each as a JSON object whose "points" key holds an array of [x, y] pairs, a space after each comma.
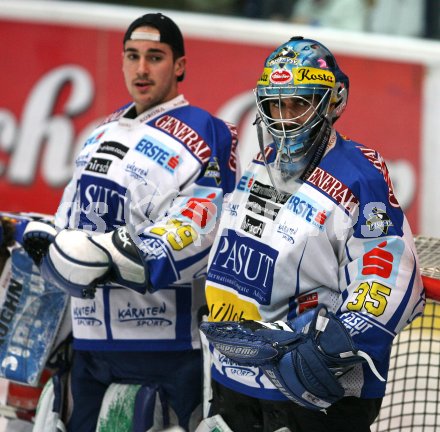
{"points": [[77, 262], [303, 358]]}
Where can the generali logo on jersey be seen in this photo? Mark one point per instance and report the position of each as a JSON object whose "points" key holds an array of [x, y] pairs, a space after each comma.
{"points": [[185, 134], [334, 188]]}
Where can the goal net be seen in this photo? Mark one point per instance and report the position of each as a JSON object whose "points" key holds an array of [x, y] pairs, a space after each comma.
{"points": [[412, 400]]}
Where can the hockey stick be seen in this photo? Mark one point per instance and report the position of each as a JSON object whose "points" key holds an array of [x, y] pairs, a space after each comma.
{"points": [[428, 250]]}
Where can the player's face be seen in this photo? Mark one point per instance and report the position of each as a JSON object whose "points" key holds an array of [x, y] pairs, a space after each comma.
{"points": [[150, 72], [297, 110]]}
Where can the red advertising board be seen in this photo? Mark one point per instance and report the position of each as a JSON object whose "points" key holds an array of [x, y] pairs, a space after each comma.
{"points": [[58, 81]]}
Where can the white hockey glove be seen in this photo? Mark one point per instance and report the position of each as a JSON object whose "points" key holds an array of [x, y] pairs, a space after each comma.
{"points": [[77, 262]]}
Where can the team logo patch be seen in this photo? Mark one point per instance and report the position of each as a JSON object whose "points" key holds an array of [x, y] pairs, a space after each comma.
{"points": [[213, 171], [379, 220], [283, 56]]}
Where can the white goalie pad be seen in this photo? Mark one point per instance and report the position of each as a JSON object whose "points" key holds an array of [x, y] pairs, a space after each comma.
{"points": [[131, 407], [125, 408], [213, 424], [46, 419]]}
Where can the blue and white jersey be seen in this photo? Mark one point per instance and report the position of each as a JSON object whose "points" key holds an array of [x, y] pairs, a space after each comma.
{"points": [[163, 174], [338, 238]]}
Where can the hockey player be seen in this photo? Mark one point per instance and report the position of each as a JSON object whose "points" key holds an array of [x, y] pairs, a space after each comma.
{"points": [[136, 225], [313, 239]]}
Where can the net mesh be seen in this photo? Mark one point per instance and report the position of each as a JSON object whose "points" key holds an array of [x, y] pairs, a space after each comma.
{"points": [[412, 400], [428, 251]]}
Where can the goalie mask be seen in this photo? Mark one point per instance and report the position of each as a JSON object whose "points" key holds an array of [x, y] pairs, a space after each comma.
{"points": [[299, 96]]}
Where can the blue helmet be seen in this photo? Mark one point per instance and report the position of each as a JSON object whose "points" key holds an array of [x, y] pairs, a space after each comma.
{"points": [[302, 73]]}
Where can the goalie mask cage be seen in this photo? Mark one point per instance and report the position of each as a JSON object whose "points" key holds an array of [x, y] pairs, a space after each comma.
{"points": [[412, 399]]}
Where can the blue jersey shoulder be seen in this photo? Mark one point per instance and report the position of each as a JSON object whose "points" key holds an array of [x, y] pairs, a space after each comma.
{"points": [[363, 171], [210, 140], [207, 126]]}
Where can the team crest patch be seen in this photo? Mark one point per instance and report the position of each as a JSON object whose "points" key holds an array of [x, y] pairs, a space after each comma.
{"points": [[378, 219], [283, 56], [213, 171]]}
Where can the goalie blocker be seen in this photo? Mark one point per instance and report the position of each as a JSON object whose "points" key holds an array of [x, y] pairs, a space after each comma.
{"points": [[77, 262], [303, 358]]}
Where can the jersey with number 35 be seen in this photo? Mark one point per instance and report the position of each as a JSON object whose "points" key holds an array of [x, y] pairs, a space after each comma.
{"points": [[339, 238]]}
